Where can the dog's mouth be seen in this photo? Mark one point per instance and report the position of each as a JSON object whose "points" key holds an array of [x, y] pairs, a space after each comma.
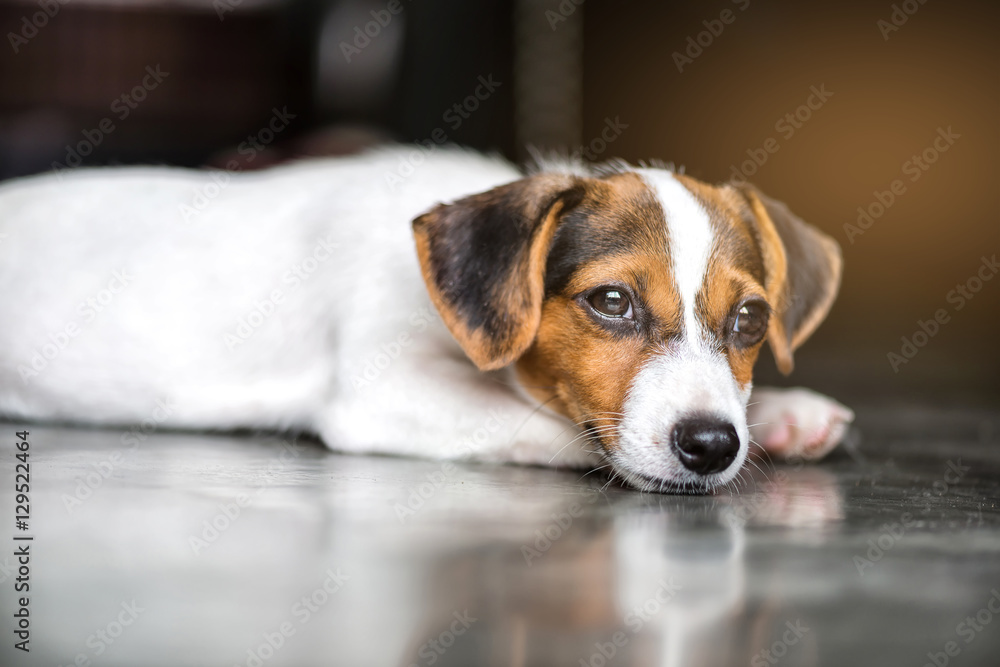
{"points": [[622, 468], [648, 483]]}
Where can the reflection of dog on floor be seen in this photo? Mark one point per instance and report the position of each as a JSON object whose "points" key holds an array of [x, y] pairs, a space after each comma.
{"points": [[629, 303]]}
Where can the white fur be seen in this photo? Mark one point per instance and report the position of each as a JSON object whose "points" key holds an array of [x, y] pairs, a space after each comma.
{"points": [[196, 273], [690, 237]]}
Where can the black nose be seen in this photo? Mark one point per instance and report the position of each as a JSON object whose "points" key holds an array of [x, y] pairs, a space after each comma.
{"points": [[705, 445]]}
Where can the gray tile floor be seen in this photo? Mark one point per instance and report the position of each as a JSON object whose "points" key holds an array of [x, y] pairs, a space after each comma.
{"points": [[193, 549]]}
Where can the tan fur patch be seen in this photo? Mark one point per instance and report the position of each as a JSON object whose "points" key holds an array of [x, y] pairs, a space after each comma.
{"points": [[577, 367], [737, 270], [804, 267], [777, 268], [579, 371]]}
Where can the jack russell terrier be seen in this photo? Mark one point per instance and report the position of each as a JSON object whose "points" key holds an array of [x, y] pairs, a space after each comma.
{"points": [[588, 317]]}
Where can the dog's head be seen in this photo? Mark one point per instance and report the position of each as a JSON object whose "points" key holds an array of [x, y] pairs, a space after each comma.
{"points": [[634, 302]]}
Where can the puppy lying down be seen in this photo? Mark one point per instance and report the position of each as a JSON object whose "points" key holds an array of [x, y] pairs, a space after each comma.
{"points": [[577, 316]]}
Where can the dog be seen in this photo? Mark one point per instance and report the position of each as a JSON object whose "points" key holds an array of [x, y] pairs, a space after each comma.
{"points": [[596, 317]]}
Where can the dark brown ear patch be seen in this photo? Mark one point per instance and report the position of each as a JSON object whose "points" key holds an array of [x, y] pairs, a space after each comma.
{"points": [[483, 261], [804, 267]]}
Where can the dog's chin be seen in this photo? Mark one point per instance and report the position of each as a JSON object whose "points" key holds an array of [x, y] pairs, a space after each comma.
{"points": [[645, 482]]}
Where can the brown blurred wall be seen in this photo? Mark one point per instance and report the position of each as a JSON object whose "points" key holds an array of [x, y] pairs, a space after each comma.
{"points": [[891, 92]]}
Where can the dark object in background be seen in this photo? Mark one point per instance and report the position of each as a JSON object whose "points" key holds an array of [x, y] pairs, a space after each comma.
{"points": [[79, 90]]}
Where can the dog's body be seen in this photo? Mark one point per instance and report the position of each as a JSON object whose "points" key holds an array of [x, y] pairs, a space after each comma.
{"points": [[294, 298]]}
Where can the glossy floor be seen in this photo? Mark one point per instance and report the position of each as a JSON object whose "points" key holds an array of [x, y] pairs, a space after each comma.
{"points": [[178, 549]]}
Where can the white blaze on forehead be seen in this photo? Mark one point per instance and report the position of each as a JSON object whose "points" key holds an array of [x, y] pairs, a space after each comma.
{"points": [[689, 236], [687, 379]]}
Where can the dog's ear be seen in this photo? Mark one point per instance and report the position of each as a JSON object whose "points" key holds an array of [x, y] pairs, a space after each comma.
{"points": [[803, 267], [483, 261]]}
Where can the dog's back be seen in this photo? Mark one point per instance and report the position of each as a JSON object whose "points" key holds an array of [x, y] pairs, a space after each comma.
{"points": [[219, 294]]}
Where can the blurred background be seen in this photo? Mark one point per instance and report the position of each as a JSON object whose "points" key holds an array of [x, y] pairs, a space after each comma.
{"points": [[875, 121]]}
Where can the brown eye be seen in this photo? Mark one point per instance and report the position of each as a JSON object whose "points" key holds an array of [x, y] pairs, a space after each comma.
{"points": [[611, 303], [750, 323]]}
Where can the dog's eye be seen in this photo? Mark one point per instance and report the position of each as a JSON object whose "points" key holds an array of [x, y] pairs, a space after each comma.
{"points": [[750, 323], [611, 303]]}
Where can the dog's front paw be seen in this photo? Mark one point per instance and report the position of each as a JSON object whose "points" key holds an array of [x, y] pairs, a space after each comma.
{"points": [[796, 423]]}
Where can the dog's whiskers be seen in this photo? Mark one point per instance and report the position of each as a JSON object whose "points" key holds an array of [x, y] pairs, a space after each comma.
{"points": [[599, 430], [606, 465]]}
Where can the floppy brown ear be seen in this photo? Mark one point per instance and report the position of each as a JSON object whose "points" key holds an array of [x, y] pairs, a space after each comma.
{"points": [[483, 261], [803, 274]]}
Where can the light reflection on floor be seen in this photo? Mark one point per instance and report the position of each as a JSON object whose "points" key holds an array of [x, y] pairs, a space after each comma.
{"points": [[220, 550]]}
